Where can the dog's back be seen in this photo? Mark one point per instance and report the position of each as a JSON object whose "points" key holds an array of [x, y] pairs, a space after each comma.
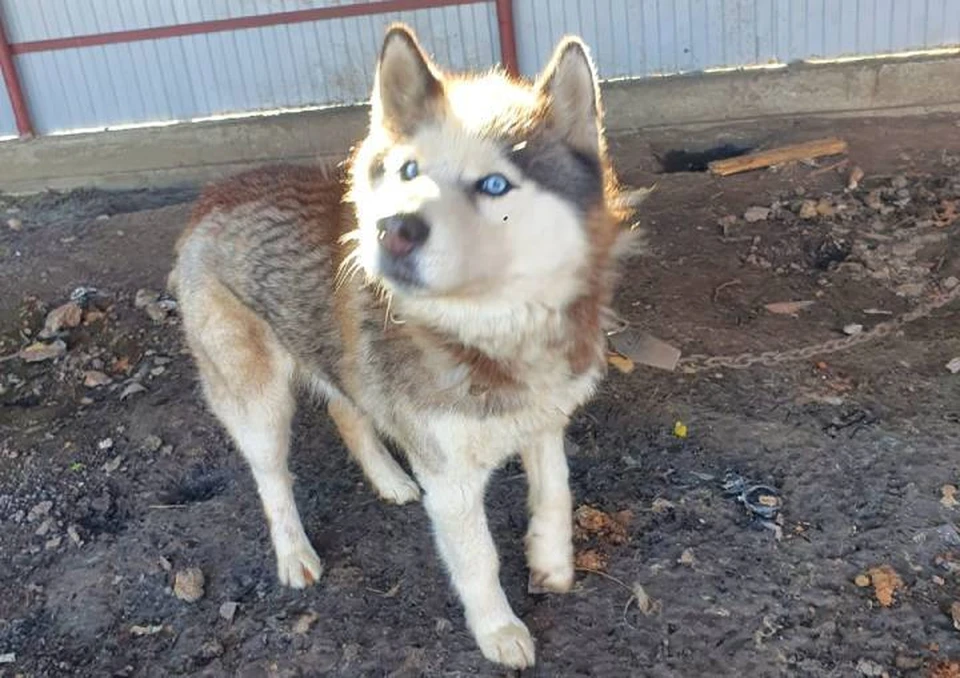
{"points": [[269, 237]]}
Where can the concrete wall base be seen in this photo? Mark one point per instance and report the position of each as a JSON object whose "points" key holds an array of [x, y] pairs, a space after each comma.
{"points": [[193, 152]]}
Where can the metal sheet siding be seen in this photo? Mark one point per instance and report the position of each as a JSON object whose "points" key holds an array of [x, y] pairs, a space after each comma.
{"points": [[324, 62], [330, 62], [8, 126], [45, 19], [637, 38]]}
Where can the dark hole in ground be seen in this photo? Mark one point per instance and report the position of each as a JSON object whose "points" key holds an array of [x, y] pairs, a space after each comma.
{"points": [[199, 486], [684, 160]]}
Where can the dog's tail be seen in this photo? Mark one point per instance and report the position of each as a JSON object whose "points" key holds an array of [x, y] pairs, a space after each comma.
{"points": [[631, 241]]}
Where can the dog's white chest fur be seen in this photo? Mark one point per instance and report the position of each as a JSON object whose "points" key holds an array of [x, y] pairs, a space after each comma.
{"points": [[490, 440]]}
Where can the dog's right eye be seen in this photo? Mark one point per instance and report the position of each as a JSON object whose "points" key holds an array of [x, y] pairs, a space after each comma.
{"points": [[409, 170]]}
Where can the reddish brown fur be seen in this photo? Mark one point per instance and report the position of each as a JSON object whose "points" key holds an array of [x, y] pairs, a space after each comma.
{"points": [[604, 228], [318, 191]]}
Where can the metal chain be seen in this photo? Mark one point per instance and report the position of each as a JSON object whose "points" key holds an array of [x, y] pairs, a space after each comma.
{"points": [[700, 362]]}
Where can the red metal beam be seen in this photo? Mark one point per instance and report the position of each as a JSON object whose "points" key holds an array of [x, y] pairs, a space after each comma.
{"points": [[238, 23], [508, 37], [10, 78]]}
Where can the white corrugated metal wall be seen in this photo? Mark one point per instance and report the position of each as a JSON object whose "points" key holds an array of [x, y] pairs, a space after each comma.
{"points": [[330, 62], [180, 78], [638, 38], [8, 127]]}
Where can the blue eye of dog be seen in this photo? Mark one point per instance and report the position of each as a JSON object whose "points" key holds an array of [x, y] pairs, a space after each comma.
{"points": [[409, 170], [494, 185]]}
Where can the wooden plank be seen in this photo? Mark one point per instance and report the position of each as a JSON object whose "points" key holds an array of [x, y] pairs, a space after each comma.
{"points": [[778, 156]]}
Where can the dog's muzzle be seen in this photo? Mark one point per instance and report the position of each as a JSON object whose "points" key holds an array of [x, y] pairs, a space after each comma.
{"points": [[400, 236]]}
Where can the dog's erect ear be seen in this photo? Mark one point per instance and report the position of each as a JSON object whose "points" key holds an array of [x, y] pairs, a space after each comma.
{"points": [[570, 83], [407, 85]]}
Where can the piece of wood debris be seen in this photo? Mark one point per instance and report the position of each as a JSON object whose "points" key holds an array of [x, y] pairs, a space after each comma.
{"points": [[830, 168], [788, 307], [778, 156]]}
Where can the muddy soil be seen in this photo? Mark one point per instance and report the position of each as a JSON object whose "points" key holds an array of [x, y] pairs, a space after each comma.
{"points": [[114, 478]]}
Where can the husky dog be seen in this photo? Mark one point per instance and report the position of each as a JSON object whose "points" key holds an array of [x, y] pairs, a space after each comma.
{"points": [[445, 294]]}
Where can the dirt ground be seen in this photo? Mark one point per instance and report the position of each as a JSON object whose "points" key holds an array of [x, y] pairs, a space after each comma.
{"points": [[114, 478]]}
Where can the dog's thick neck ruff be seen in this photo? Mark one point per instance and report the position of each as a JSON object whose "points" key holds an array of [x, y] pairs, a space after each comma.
{"points": [[497, 339]]}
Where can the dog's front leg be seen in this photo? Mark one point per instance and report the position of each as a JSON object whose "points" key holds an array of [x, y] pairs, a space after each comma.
{"points": [[454, 502], [550, 534]]}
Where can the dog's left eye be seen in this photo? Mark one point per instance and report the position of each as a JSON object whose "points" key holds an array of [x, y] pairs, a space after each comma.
{"points": [[409, 170], [494, 185]]}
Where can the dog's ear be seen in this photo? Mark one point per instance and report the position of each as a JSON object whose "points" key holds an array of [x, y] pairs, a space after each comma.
{"points": [[569, 82], [407, 86]]}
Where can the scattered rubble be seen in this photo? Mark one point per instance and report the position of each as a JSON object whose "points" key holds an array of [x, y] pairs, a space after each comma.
{"points": [[868, 667], [188, 584], [756, 213], [74, 535], [592, 560], [96, 379], [304, 622], [156, 307], [144, 297], [808, 210], [854, 179], [228, 610], [852, 329], [886, 583], [39, 510], [40, 352], [152, 443], [132, 389], [948, 496], [114, 464], [595, 531], [592, 522], [63, 317]]}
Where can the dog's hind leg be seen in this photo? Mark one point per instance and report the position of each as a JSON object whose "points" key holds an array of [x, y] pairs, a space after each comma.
{"points": [[550, 534], [454, 501], [247, 379], [389, 480]]}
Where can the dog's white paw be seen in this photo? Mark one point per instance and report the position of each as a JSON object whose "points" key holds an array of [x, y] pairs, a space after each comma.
{"points": [[551, 565], [555, 578], [390, 481], [510, 645], [399, 488], [299, 566]]}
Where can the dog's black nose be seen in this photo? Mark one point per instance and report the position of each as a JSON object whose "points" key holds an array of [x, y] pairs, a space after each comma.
{"points": [[401, 234]]}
